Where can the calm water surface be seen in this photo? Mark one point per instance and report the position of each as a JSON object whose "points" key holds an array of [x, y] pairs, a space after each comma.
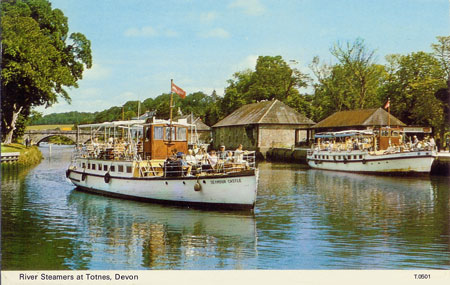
{"points": [[304, 219]]}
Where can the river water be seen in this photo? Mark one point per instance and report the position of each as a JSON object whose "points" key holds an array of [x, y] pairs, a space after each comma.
{"points": [[304, 219]]}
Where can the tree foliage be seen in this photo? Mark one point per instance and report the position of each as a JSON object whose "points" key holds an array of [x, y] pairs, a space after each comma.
{"points": [[39, 59], [272, 79], [352, 83], [412, 83]]}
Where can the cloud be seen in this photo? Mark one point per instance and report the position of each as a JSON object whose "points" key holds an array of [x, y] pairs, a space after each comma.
{"points": [[208, 16], [146, 31], [96, 72], [216, 33], [249, 7], [248, 63]]}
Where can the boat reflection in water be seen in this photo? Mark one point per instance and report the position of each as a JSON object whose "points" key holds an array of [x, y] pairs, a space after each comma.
{"points": [[142, 235], [383, 220]]}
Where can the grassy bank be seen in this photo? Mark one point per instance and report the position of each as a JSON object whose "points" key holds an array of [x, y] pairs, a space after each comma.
{"points": [[28, 155]]}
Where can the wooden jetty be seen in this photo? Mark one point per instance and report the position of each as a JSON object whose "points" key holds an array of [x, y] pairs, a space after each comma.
{"points": [[7, 157]]}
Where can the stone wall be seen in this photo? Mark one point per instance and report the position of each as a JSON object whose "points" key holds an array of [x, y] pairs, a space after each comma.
{"points": [[276, 136]]}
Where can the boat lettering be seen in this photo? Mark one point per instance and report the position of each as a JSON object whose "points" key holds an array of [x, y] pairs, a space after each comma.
{"points": [[231, 180]]}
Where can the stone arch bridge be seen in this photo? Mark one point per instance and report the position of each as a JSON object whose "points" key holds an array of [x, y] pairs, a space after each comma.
{"points": [[37, 136]]}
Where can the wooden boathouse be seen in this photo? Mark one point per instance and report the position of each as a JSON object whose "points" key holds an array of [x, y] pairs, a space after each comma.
{"points": [[261, 126]]}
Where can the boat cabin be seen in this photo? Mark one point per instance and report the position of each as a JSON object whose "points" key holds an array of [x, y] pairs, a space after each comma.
{"points": [[389, 137], [161, 138]]}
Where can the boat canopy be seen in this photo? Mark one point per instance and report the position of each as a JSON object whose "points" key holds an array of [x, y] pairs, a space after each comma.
{"points": [[349, 133], [113, 124], [130, 123]]}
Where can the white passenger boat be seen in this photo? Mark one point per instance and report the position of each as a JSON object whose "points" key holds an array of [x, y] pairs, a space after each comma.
{"points": [[132, 159], [369, 152]]}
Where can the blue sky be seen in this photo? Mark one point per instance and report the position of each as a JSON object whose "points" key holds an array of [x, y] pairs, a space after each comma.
{"points": [[139, 45]]}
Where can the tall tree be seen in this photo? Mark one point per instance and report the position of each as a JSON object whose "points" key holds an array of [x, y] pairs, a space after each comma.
{"points": [[354, 82], [274, 79], [413, 81], [39, 59]]}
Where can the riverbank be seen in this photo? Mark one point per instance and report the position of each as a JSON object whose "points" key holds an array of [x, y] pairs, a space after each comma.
{"points": [[28, 155], [441, 165]]}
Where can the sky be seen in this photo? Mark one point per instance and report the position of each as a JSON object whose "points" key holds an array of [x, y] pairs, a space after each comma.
{"points": [[138, 46]]}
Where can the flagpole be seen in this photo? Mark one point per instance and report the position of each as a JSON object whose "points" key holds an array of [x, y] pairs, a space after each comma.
{"points": [[171, 100], [389, 112]]}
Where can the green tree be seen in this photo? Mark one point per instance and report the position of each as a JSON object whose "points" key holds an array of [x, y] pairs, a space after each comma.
{"points": [[354, 82], [274, 79], [234, 96], [412, 83], [39, 59]]}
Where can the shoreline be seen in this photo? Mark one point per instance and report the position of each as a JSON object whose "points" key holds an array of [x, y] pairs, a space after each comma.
{"points": [[28, 156]]}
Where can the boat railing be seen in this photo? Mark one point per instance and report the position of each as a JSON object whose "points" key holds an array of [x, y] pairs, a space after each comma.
{"points": [[237, 162], [122, 151]]}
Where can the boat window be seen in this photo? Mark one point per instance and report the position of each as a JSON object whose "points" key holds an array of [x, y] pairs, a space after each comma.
{"points": [[89, 166], [148, 134], [360, 156], [170, 133], [355, 157], [93, 166], [349, 157], [112, 168], [395, 133], [84, 165], [384, 133], [315, 156], [120, 168], [99, 166], [181, 134], [105, 167], [327, 156], [158, 133], [128, 169]]}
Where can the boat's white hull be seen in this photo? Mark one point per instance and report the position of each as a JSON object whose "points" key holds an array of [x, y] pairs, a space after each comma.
{"points": [[405, 162], [230, 191]]}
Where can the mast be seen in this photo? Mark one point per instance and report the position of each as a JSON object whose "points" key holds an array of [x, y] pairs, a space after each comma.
{"points": [[389, 112]]}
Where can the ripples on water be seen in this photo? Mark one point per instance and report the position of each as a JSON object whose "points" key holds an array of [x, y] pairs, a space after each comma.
{"points": [[304, 219]]}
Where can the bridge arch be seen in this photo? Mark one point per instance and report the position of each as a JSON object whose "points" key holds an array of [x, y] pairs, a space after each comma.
{"points": [[37, 136]]}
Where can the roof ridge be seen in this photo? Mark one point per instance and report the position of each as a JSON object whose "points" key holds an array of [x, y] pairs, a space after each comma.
{"points": [[370, 116], [268, 110]]}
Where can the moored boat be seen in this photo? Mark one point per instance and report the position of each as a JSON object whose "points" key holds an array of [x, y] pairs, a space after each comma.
{"points": [[146, 161], [369, 152]]}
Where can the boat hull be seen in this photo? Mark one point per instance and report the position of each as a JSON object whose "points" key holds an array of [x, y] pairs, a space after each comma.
{"points": [[412, 162], [236, 191]]}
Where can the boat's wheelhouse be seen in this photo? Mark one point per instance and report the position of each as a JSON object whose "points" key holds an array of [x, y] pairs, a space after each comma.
{"points": [[160, 139]]}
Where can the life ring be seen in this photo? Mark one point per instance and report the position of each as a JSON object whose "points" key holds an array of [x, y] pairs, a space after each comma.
{"points": [[107, 177], [83, 176], [67, 173]]}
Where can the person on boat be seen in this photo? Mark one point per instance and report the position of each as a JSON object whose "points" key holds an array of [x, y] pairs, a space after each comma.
{"points": [[212, 158], [173, 155], [432, 143], [190, 158], [186, 167], [201, 156], [222, 153], [416, 141], [195, 149]]}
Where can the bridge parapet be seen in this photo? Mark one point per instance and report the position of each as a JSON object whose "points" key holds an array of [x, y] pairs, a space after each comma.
{"points": [[36, 136]]}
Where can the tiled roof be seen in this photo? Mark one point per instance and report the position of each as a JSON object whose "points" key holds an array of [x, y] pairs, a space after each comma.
{"points": [[265, 112], [363, 117]]}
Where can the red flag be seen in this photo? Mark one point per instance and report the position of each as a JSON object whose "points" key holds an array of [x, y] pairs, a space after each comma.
{"points": [[179, 91], [387, 104]]}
